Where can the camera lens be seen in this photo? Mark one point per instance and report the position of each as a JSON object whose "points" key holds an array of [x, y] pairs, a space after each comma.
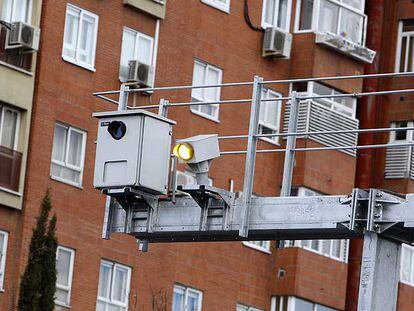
{"points": [[117, 129]]}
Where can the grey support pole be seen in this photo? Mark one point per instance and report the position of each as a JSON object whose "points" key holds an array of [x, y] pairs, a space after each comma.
{"points": [[123, 97], [290, 146], [250, 156], [380, 270], [290, 153]]}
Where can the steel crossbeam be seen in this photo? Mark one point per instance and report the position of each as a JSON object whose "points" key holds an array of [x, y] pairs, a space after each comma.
{"points": [[202, 213]]}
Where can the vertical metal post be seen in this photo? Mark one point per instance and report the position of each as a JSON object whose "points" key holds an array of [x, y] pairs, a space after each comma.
{"points": [[380, 270], [163, 107], [290, 145], [250, 156], [123, 97]]}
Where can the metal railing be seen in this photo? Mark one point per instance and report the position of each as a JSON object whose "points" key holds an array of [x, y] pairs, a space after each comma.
{"points": [[317, 132]]}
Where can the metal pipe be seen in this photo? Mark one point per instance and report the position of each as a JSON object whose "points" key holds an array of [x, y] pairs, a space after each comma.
{"points": [[378, 75], [108, 99], [181, 87], [239, 101], [317, 133], [186, 87], [321, 148], [358, 94]]}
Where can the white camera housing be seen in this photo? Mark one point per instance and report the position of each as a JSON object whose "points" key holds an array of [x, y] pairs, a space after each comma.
{"points": [[140, 159]]}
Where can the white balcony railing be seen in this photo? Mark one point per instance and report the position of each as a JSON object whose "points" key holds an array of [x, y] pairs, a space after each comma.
{"points": [[316, 117]]}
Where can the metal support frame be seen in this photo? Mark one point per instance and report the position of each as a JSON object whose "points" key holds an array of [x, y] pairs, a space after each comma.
{"points": [[203, 213], [251, 155], [271, 218]]}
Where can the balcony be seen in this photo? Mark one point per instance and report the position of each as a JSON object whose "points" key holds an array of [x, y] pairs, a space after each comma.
{"points": [[314, 116], [10, 163], [13, 57]]}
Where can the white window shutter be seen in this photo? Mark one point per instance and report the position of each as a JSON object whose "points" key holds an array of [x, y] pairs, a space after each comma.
{"points": [[397, 162]]}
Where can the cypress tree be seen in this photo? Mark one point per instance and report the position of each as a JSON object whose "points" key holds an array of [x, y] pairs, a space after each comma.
{"points": [[37, 286], [48, 280]]}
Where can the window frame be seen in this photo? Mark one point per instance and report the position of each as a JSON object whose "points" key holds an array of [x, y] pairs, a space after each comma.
{"points": [[311, 88], [70, 276], [247, 308], [410, 36], [225, 7], [13, 11], [186, 290], [275, 140], [409, 133], [75, 60], [114, 265], [291, 303], [193, 109], [17, 133], [3, 259], [407, 248], [80, 169], [137, 34], [276, 15], [341, 6], [253, 245]]}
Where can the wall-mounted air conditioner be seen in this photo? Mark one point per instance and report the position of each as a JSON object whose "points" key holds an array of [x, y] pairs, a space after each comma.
{"points": [[22, 35], [277, 42], [140, 73]]}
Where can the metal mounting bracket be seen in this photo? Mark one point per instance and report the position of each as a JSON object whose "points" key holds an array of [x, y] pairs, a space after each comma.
{"points": [[369, 209], [203, 195]]}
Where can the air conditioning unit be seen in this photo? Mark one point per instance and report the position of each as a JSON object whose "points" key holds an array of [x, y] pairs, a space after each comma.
{"points": [[140, 73], [23, 35], [277, 43]]}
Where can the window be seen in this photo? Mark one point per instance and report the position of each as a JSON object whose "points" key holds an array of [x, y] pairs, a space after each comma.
{"points": [[135, 46], [345, 106], [407, 264], [401, 136], [241, 307], [113, 289], [285, 303], [263, 246], [270, 113], [223, 5], [64, 266], [68, 154], [186, 299], [399, 160], [405, 46], [205, 74], [335, 249], [276, 13], [344, 18], [81, 31], [16, 11], [3, 252], [9, 127]]}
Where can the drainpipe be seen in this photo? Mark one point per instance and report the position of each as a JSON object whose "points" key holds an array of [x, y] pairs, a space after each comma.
{"points": [[367, 114]]}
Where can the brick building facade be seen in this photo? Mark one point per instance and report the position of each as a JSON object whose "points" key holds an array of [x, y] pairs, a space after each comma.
{"points": [[85, 47]]}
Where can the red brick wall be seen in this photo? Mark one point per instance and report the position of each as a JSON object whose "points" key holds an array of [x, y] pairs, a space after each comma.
{"points": [[226, 273]]}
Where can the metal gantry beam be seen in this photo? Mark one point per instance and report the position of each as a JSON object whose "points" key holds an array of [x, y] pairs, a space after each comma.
{"points": [[271, 218]]}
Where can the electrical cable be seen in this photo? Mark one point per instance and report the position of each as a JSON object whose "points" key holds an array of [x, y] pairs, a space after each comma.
{"points": [[247, 17]]}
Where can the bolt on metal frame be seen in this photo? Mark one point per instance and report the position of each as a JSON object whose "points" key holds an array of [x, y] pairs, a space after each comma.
{"points": [[382, 219]]}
